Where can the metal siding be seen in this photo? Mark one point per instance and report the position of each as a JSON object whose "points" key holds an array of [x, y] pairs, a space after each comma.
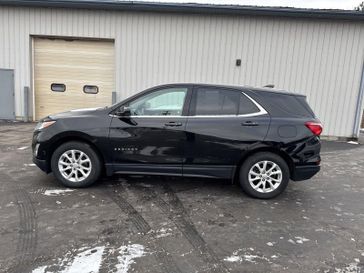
{"points": [[320, 58]]}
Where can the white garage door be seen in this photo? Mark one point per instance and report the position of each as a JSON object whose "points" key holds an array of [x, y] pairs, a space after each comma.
{"points": [[71, 74]]}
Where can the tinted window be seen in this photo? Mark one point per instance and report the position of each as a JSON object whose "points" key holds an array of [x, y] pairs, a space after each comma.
{"points": [[247, 106], [283, 104], [166, 102], [213, 101]]}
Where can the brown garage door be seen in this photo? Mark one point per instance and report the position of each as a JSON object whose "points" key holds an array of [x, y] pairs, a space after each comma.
{"points": [[72, 74]]}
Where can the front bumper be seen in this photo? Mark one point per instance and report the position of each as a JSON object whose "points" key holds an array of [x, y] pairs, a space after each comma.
{"points": [[42, 164], [304, 172]]}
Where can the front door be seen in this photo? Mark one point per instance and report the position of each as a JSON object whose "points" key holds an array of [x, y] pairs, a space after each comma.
{"points": [[151, 139]]}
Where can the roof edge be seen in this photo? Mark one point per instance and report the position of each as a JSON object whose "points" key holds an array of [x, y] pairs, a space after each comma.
{"points": [[190, 8]]}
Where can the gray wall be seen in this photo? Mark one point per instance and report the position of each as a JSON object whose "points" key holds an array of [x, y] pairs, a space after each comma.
{"points": [[320, 58]]}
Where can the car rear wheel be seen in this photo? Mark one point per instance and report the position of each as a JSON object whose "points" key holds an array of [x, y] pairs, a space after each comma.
{"points": [[76, 164], [264, 175]]}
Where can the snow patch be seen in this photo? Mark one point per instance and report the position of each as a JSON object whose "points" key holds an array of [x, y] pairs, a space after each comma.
{"points": [[56, 192], [301, 240], [233, 259], [255, 258], [29, 165], [164, 232], [350, 268], [128, 254], [353, 142], [248, 256], [89, 260], [291, 241]]}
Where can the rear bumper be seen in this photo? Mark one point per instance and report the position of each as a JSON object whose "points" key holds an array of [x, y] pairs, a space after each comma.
{"points": [[42, 164], [304, 172]]}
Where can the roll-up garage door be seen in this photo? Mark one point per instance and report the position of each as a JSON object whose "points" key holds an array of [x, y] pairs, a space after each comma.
{"points": [[72, 74]]}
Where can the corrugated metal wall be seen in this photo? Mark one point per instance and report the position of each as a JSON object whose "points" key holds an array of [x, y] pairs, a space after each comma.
{"points": [[320, 58]]}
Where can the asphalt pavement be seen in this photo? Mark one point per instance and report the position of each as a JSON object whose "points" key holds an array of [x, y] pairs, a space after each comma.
{"points": [[165, 224]]}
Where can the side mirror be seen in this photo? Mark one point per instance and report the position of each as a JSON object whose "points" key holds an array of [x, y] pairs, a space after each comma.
{"points": [[123, 111]]}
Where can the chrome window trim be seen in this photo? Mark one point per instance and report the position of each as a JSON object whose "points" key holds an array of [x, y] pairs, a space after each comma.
{"points": [[261, 112]]}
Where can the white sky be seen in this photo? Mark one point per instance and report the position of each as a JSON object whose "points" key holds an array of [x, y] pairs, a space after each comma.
{"points": [[319, 4]]}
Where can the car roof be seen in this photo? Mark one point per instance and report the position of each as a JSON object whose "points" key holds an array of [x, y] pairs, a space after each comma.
{"points": [[242, 88], [274, 90]]}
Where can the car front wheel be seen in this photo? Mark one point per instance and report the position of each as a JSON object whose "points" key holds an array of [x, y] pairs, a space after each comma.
{"points": [[264, 175], [76, 164]]}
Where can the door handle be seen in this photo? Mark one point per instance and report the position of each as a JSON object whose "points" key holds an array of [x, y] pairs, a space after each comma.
{"points": [[173, 124], [249, 123]]}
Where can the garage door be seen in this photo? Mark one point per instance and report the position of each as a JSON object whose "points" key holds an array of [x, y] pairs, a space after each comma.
{"points": [[71, 74]]}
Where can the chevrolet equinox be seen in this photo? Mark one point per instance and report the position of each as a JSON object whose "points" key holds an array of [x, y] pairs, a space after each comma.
{"points": [[261, 137]]}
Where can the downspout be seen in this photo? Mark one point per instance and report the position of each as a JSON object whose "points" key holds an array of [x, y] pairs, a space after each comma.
{"points": [[359, 108]]}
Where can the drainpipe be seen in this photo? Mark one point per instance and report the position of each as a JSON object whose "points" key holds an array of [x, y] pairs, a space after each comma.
{"points": [[359, 108]]}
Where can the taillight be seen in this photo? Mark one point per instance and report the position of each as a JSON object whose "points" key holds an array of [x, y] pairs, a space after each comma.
{"points": [[315, 127]]}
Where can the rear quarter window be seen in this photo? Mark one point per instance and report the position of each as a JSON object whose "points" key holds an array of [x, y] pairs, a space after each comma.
{"points": [[289, 104], [246, 106]]}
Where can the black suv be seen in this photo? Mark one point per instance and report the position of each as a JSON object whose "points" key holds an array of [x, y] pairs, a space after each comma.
{"points": [[260, 137]]}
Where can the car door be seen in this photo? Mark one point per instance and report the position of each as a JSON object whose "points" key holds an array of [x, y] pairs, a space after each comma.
{"points": [[222, 124], [151, 138]]}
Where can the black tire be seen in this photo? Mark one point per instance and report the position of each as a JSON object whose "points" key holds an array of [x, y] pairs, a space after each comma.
{"points": [[95, 166], [260, 157]]}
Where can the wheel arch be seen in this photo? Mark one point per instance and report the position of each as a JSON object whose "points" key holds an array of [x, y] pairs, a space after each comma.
{"points": [[76, 137], [273, 150]]}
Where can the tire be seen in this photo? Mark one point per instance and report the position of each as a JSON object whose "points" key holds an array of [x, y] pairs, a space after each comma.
{"points": [[266, 184], [83, 162]]}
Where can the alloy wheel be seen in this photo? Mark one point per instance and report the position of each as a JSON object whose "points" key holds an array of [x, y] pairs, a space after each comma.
{"points": [[265, 176], [74, 165]]}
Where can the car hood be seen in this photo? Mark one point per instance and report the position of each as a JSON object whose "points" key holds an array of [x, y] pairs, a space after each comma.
{"points": [[76, 113]]}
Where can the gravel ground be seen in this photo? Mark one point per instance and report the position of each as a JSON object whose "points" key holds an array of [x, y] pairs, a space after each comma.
{"points": [[163, 224]]}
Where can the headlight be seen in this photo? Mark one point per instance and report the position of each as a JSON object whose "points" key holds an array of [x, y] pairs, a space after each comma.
{"points": [[44, 124]]}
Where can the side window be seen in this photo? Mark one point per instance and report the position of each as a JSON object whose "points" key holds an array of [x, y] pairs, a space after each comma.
{"points": [[214, 101], [247, 106], [166, 102]]}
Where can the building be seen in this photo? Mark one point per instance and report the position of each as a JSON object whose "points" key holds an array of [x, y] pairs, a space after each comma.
{"points": [[64, 54]]}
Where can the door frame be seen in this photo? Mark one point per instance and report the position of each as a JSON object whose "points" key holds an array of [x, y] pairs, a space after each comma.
{"points": [[187, 102]]}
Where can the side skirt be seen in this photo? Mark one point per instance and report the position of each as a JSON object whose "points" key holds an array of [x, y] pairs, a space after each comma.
{"points": [[205, 171]]}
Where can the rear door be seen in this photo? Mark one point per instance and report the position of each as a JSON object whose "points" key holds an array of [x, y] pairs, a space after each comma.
{"points": [[152, 138], [222, 124]]}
